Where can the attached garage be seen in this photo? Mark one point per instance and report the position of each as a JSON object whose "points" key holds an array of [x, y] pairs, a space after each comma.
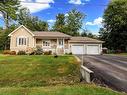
{"points": [[85, 45], [77, 49], [92, 49]]}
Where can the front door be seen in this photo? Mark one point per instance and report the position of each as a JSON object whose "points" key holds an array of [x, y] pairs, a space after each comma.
{"points": [[60, 48]]}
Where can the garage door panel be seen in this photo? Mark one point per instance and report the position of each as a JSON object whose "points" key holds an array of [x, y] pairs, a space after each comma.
{"points": [[77, 49], [93, 49]]}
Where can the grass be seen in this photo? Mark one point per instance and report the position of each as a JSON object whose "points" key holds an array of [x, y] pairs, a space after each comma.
{"points": [[60, 90], [32, 71], [120, 54], [44, 75], [1, 51]]}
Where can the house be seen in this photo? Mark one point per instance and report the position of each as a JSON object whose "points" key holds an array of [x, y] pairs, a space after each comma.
{"points": [[57, 42]]}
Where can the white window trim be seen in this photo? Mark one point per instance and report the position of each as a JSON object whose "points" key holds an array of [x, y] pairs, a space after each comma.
{"points": [[47, 41], [19, 38]]}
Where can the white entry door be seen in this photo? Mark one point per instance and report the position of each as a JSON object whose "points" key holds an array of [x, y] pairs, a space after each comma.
{"points": [[77, 49], [93, 49]]}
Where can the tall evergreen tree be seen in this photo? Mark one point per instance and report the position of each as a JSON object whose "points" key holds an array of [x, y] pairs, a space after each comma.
{"points": [[31, 22], [9, 10], [60, 23]]}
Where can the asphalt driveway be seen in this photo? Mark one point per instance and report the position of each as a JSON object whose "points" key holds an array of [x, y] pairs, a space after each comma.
{"points": [[111, 69]]}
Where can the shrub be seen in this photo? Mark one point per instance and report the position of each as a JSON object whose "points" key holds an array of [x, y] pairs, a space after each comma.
{"points": [[6, 52], [55, 55], [29, 50], [47, 52], [21, 53], [38, 51], [32, 53], [13, 53], [70, 53]]}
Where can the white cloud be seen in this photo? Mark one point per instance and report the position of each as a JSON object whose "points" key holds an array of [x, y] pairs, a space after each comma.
{"points": [[78, 2], [97, 22], [66, 14], [51, 21], [1, 15], [75, 2], [37, 5]]}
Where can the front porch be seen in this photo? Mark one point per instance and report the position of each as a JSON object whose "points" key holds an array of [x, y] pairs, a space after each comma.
{"points": [[57, 46]]}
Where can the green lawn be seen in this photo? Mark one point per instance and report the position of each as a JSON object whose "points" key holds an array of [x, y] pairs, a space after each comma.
{"points": [[44, 75], [1, 51], [32, 71], [119, 54], [60, 90]]}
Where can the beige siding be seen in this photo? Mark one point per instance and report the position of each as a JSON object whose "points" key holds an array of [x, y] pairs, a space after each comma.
{"points": [[21, 32], [53, 43]]}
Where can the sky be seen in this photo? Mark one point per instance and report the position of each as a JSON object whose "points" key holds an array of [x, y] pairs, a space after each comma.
{"points": [[48, 9]]}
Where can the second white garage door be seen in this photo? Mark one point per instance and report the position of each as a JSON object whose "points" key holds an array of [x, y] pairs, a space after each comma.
{"points": [[93, 49], [77, 49]]}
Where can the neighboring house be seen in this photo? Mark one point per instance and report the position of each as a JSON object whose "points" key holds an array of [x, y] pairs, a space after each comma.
{"points": [[60, 43]]}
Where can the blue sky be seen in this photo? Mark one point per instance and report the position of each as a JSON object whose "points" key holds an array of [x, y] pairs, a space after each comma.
{"points": [[94, 10]]}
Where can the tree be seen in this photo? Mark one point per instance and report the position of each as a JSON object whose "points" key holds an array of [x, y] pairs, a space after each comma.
{"points": [[70, 24], [74, 22], [84, 33], [60, 23], [31, 22], [104, 36], [115, 22], [4, 39], [90, 35], [8, 10]]}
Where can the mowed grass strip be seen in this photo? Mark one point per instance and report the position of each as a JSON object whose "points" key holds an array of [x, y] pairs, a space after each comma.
{"points": [[36, 71], [60, 90]]}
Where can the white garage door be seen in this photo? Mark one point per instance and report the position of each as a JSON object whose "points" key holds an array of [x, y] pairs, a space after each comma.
{"points": [[77, 49], [93, 49]]}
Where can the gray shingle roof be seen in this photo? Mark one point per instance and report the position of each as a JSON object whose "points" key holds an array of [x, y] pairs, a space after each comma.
{"points": [[84, 39], [51, 34]]}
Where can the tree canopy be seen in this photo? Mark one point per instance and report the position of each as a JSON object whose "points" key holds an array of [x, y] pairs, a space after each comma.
{"points": [[70, 23], [60, 22], [9, 10], [115, 25], [31, 22]]}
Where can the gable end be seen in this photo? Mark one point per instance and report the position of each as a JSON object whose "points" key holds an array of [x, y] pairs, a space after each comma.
{"points": [[19, 28]]}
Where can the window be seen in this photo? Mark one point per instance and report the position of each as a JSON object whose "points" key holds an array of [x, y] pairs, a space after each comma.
{"points": [[61, 42], [46, 43], [22, 41]]}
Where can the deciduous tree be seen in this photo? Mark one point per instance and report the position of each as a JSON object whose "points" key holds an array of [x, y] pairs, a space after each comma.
{"points": [[115, 23]]}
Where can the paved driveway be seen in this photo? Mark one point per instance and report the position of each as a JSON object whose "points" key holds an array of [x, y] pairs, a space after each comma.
{"points": [[112, 69]]}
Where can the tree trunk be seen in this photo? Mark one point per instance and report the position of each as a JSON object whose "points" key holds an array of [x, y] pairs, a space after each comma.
{"points": [[6, 19]]}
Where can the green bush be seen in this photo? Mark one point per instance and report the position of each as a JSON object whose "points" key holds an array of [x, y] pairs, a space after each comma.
{"points": [[38, 51], [48, 52], [6, 52], [69, 53], [13, 53], [21, 53]]}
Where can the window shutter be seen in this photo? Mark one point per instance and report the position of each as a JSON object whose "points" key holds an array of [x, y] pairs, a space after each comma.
{"points": [[28, 41], [16, 42]]}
